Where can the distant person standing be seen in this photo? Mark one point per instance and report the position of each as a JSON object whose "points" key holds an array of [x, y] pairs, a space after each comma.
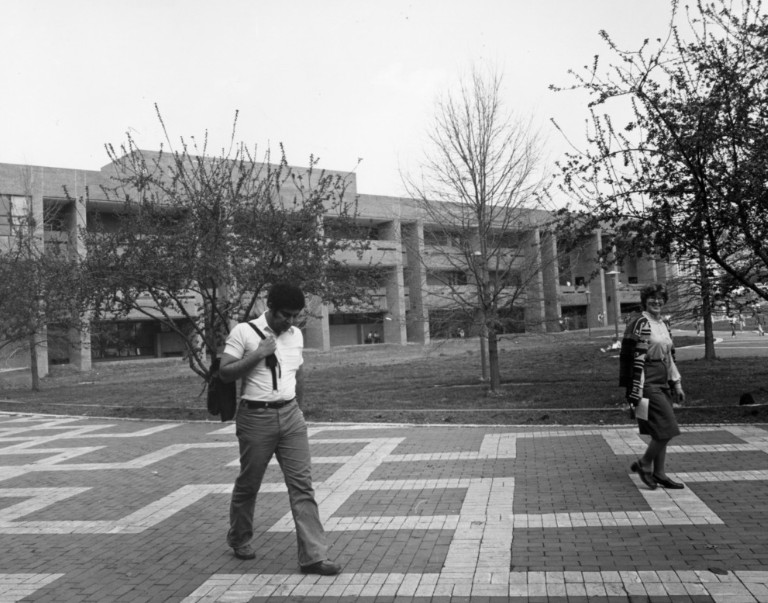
{"points": [[732, 320], [759, 320], [270, 422], [647, 368]]}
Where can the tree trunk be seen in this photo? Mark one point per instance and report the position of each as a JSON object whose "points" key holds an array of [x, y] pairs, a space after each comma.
{"points": [[483, 340], [706, 310], [33, 368], [483, 354], [493, 361]]}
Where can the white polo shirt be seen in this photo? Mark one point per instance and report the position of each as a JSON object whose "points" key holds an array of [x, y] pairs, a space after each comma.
{"points": [[257, 385]]}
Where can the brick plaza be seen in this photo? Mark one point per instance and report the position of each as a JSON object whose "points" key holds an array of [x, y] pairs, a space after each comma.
{"points": [[110, 510]]}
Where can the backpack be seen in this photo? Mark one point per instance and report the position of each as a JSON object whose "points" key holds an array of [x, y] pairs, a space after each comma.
{"points": [[222, 397]]}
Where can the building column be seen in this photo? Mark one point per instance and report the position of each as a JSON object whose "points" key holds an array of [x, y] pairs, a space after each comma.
{"points": [[395, 329], [598, 304], [317, 330], [79, 339], [646, 270], [535, 296], [669, 274], [34, 187], [417, 326], [550, 281], [614, 286]]}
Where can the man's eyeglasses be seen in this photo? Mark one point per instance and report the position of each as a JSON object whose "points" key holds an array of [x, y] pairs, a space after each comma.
{"points": [[655, 300]]}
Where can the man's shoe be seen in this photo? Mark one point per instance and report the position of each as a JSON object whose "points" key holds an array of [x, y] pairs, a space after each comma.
{"points": [[245, 552], [668, 483], [324, 568], [645, 476]]}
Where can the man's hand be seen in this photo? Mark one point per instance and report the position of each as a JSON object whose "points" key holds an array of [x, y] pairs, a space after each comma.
{"points": [[266, 346], [232, 368]]}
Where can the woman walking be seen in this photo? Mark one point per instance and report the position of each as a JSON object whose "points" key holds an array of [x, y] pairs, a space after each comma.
{"points": [[649, 374]]}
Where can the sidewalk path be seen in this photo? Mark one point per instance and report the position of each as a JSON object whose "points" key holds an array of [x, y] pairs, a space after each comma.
{"points": [[746, 343], [111, 510]]}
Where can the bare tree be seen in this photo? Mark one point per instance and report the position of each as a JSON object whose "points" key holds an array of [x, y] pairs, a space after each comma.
{"points": [[40, 284], [478, 185]]}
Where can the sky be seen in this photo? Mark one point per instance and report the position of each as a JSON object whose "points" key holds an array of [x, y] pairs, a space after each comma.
{"points": [[352, 82]]}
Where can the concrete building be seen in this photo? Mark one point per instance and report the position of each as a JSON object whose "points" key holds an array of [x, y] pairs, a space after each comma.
{"points": [[564, 290]]}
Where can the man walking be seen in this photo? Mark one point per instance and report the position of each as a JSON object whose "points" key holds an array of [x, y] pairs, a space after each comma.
{"points": [[269, 421]]}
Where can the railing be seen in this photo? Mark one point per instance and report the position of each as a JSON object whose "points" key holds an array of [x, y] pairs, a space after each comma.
{"points": [[575, 296], [387, 253]]}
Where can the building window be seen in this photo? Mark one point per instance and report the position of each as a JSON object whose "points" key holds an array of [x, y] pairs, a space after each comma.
{"points": [[453, 278], [123, 339], [505, 278], [355, 318], [441, 238], [19, 207], [54, 216], [510, 240], [372, 234], [97, 221], [15, 207], [348, 230]]}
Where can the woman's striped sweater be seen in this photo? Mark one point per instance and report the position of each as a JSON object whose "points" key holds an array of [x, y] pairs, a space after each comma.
{"points": [[634, 351]]}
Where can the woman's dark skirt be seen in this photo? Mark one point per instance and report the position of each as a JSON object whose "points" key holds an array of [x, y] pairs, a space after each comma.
{"points": [[661, 423]]}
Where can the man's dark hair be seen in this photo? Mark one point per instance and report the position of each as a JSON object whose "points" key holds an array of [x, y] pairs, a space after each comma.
{"points": [[655, 290], [284, 296]]}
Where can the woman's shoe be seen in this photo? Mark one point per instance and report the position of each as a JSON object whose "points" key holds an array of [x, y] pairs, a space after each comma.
{"points": [[645, 476], [668, 483]]}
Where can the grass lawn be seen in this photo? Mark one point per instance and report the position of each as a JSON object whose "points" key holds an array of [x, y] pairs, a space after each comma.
{"points": [[561, 378]]}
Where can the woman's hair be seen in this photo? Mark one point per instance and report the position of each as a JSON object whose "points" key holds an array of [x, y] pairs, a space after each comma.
{"points": [[655, 290], [284, 296]]}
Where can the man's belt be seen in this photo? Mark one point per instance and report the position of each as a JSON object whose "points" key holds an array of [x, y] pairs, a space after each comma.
{"points": [[255, 404]]}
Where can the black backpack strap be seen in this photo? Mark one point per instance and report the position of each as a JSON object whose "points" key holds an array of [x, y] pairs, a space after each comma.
{"points": [[257, 329], [271, 360]]}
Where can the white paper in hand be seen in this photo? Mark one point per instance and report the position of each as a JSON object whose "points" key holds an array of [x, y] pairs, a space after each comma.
{"points": [[641, 410]]}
